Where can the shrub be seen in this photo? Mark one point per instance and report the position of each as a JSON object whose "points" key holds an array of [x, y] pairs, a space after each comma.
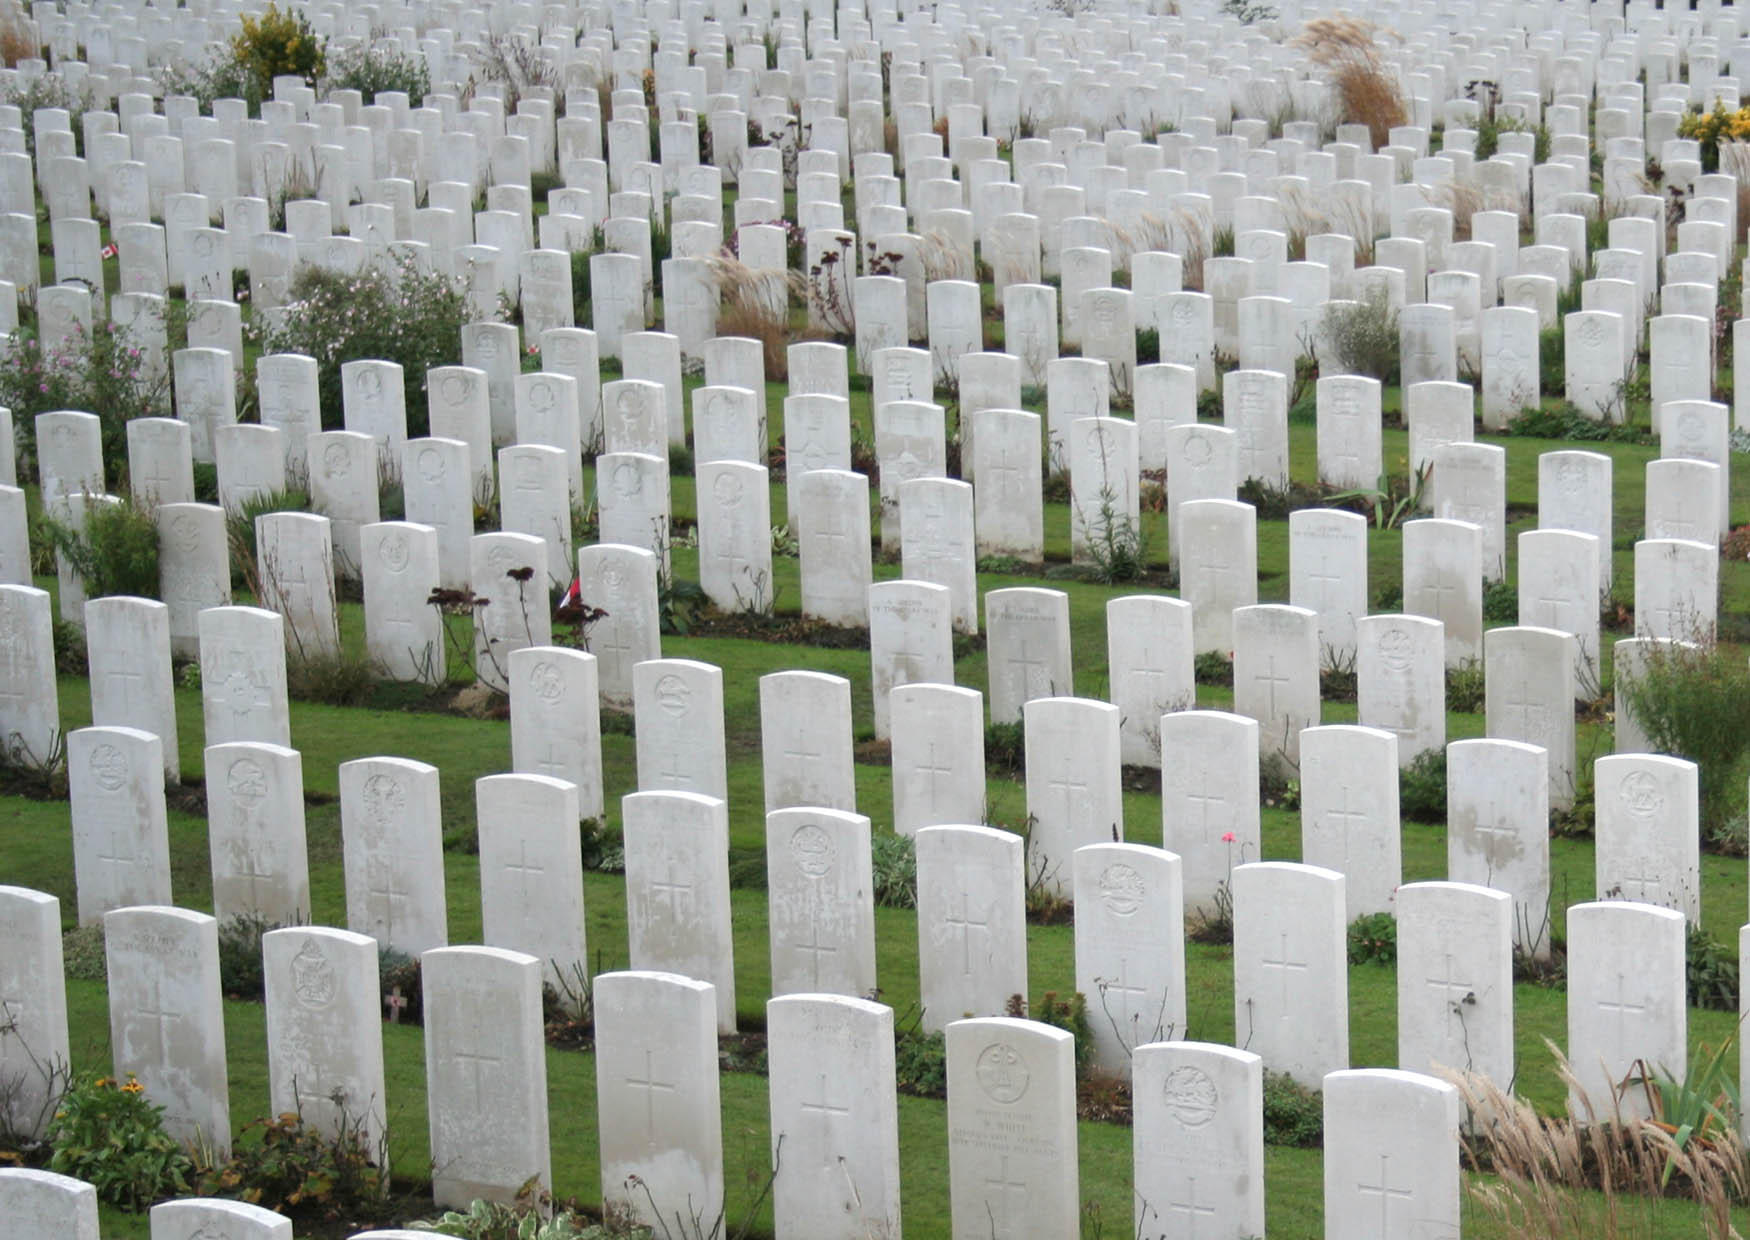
{"points": [[406, 315], [515, 65], [115, 553], [240, 968], [1211, 667], [920, 1061], [1293, 1114], [1465, 689], [1373, 937], [82, 954], [281, 1163], [1422, 787], [1070, 1015], [1005, 748], [1500, 603], [279, 43], [1567, 422], [895, 861], [344, 678], [48, 91], [369, 70], [98, 372], [1712, 972], [109, 1134], [1363, 335], [1689, 700]]}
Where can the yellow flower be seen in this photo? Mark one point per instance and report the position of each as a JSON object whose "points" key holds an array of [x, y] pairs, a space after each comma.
{"points": [[133, 1087]]}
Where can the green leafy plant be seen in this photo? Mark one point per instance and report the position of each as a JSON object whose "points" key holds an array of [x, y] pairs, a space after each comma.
{"points": [[278, 42], [920, 1060], [115, 553], [240, 968], [1392, 500], [1115, 542], [1689, 699], [533, 1216], [1212, 667], [1567, 422], [1501, 602], [1293, 1114], [109, 1134], [1373, 937], [98, 371], [1465, 688], [1363, 335], [370, 70], [1069, 1014], [1005, 748], [1712, 972], [406, 315], [1422, 787], [48, 90], [895, 861], [1701, 1106], [282, 1163]]}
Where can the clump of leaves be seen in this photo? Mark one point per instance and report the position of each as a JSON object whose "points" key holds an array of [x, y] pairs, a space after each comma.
{"points": [[82, 954], [1689, 699], [1069, 1014], [1712, 972], [1293, 1114], [240, 968], [308, 1174], [1005, 748], [1212, 667], [404, 315], [1363, 335], [116, 552], [1422, 787], [109, 1134], [895, 861], [100, 371], [531, 1217], [920, 1060], [1373, 937], [376, 68], [1464, 688], [1500, 603]]}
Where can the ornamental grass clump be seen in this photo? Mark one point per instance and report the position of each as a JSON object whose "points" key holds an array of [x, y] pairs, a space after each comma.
{"points": [[1367, 93]]}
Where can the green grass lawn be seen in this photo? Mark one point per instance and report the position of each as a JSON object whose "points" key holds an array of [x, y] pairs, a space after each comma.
{"points": [[36, 851]]}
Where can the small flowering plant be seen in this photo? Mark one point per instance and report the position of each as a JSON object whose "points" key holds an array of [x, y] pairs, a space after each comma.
{"points": [[99, 371], [108, 1133], [1712, 128], [394, 313]]}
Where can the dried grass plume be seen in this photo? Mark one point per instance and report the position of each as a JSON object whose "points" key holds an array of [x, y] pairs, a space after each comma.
{"points": [[1367, 93]]}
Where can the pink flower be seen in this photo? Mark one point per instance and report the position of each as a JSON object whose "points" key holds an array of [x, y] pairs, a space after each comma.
{"points": [[1229, 838]]}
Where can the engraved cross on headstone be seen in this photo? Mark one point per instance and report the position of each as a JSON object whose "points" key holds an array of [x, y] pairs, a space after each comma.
{"points": [[1284, 965], [1386, 1195], [650, 1085], [965, 925]]}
